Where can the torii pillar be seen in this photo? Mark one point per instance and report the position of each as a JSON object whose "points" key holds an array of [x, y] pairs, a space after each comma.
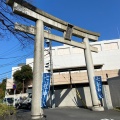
{"points": [[90, 71], [37, 111]]}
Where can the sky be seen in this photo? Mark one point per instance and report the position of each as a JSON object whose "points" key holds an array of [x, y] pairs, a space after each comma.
{"points": [[101, 16]]}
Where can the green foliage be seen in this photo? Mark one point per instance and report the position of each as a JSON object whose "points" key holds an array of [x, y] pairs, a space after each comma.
{"points": [[1, 100], [2, 93], [6, 110], [3, 84], [25, 74], [19, 86], [2, 88], [18, 76]]}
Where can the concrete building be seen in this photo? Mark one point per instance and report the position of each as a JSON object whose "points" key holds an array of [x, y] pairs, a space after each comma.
{"points": [[69, 71]]}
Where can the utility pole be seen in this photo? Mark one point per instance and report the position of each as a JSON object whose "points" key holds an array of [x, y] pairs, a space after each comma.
{"points": [[23, 85], [49, 43], [14, 88], [52, 79], [14, 97]]}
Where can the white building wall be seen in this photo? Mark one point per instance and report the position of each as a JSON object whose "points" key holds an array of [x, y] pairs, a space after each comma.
{"points": [[68, 56], [65, 97], [109, 55], [69, 97], [30, 62], [15, 69], [9, 84]]}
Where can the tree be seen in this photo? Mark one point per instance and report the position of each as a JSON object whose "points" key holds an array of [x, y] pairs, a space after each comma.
{"points": [[7, 20], [2, 88], [23, 77], [2, 93]]}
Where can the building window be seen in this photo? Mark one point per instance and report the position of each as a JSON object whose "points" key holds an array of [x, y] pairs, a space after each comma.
{"points": [[114, 45], [77, 50], [63, 51], [110, 46]]}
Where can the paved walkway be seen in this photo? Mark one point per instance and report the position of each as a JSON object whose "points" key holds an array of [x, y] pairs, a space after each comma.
{"points": [[72, 114], [81, 114]]}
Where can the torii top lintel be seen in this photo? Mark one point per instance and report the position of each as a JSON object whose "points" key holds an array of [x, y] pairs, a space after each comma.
{"points": [[58, 23]]}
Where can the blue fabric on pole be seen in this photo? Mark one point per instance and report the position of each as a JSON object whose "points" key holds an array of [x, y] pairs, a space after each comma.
{"points": [[45, 88], [98, 85]]}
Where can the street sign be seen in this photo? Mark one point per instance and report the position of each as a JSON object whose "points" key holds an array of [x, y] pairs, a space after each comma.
{"points": [[98, 85], [45, 88], [14, 86]]}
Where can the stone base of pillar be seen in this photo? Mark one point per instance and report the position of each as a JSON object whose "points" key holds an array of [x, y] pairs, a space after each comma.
{"points": [[98, 108], [38, 118]]}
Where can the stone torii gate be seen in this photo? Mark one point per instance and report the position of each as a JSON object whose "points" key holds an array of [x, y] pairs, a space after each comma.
{"points": [[42, 18]]}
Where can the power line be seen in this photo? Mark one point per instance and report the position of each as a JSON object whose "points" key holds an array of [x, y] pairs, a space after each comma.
{"points": [[12, 57], [16, 69], [12, 71], [11, 50], [10, 63]]}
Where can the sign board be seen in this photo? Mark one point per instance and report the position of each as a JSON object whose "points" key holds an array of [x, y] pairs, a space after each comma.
{"points": [[98, 85], [14, 86], [45, 88]]}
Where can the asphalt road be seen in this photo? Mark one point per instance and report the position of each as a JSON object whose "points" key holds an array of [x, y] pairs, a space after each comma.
{"points": [[72, 114]]}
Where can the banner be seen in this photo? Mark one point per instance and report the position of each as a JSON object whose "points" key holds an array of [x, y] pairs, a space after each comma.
{"points": [[98, 85], [45, 88]]}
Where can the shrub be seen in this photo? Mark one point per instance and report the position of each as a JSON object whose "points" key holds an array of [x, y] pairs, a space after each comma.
{"points": [[6, 110], [1, 100]]}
